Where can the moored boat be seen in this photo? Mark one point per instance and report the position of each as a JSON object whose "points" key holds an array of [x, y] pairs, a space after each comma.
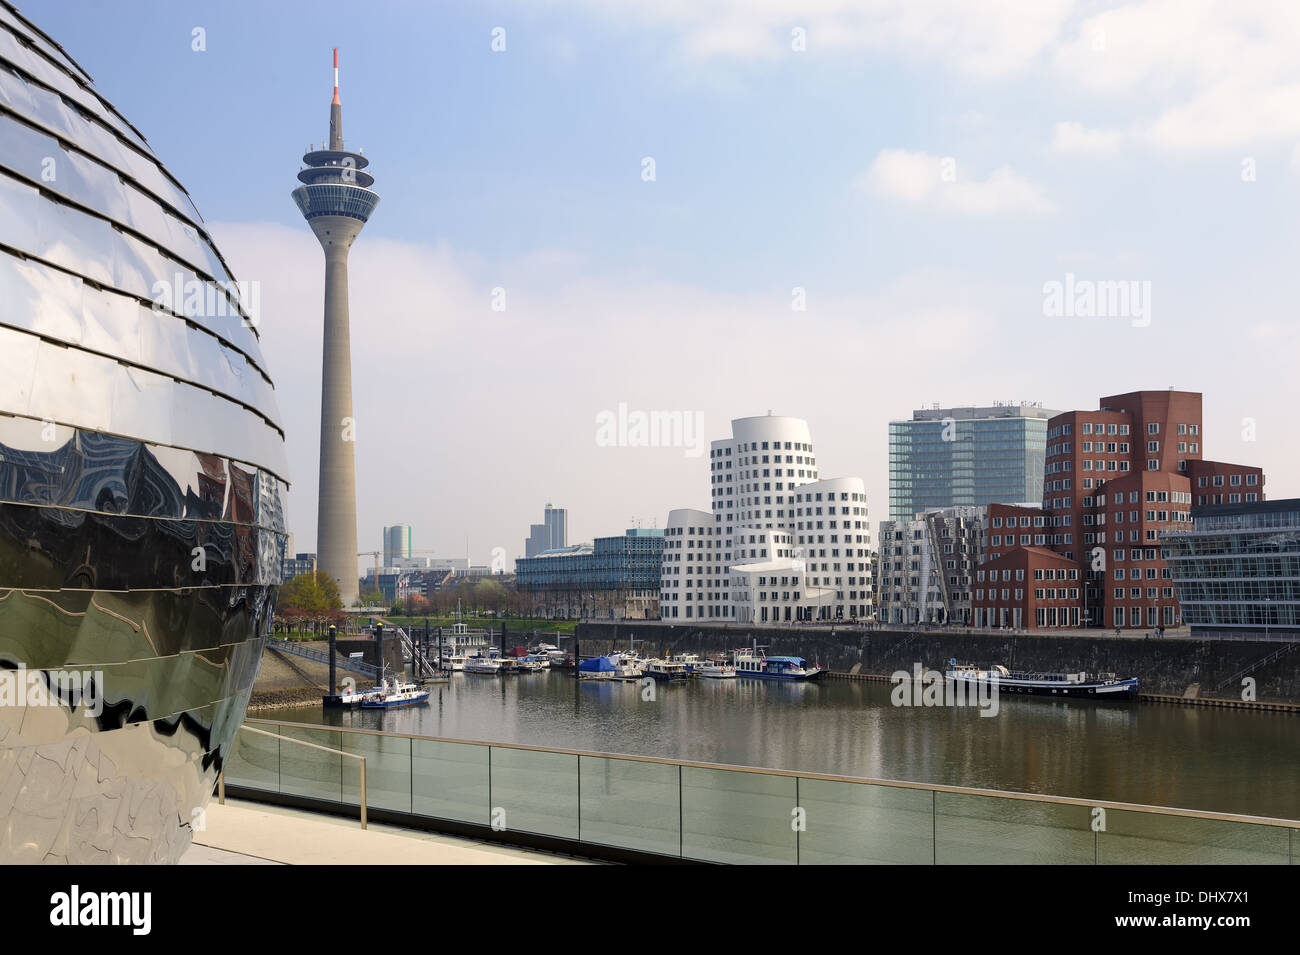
{"points": [[614, 666], [391, 694], [716, 671], [666, 671], [1097, 686], [483, 662], [755, 665]]}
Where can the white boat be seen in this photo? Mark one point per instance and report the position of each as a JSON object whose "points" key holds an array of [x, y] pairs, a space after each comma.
{"points": [[717, 671], [751, 662], [483, 663], [391, 694], [549, 653], [613, 666], [454, 662]]}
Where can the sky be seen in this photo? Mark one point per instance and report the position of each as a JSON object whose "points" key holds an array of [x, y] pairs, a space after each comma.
{"points": [[835, 210]]}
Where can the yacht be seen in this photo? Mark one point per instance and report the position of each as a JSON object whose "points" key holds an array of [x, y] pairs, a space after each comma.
{"points": [[452, 661], [666, 670]]}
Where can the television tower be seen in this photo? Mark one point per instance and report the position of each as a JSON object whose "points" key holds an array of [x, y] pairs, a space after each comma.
{"points": [[336, 200]]}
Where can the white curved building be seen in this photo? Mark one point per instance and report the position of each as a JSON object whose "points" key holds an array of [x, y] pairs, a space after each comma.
{"points": [[779, 545]]}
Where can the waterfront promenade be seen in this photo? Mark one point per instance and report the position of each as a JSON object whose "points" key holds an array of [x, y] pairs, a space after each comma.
{"points": [[248, 833]]}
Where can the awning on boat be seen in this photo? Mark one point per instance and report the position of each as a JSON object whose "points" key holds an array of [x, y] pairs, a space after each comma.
{"points": [[597, 665]]}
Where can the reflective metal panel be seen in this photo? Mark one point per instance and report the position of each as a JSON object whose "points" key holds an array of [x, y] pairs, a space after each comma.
{"points": [[142, 531]]}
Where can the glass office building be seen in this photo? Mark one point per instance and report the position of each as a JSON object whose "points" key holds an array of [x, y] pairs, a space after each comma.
{"points": [[1237, 570], [966, 457], [613, 577], [142, 471]]}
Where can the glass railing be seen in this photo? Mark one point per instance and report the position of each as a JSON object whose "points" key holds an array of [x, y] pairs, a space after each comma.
{"points": [[735, 814]]}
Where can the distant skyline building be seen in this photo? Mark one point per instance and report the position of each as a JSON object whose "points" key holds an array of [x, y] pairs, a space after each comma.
{"points": [[550, 534], [303, 563], [397, 543], [336, 201], [614, 578], [966, 457], [781, 543]]}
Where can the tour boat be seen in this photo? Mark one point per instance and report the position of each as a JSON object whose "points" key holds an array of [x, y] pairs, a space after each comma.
{"points": [[454, 662], [750, 663], [1100, 686], [390, 694]]}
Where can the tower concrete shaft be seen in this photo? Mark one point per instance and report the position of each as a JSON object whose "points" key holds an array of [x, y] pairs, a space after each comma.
{"points": [[336, 516], [336, 201]]}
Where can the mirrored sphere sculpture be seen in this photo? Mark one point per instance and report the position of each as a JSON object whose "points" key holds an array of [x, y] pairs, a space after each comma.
{"points": [[141, 480]]}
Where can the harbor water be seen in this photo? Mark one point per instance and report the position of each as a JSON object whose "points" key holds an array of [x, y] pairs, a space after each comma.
{"points": [[1185, 757]]}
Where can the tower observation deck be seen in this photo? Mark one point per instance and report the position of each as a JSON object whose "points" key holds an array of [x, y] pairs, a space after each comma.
{"points": [[336, 200], [335, 182]]}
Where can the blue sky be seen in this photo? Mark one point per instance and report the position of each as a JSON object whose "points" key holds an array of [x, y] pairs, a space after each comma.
{"points": [[1104, 139]]}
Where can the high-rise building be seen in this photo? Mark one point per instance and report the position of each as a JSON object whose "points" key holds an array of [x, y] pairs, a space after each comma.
{"points": [[556, 520], [142, 471], [336, 200], [781, 544], [397, 544], [551, 534], [963, 457], [1115, 481]]}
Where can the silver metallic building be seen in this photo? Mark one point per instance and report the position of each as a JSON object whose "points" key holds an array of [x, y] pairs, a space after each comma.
{"points": [[141, 478]]}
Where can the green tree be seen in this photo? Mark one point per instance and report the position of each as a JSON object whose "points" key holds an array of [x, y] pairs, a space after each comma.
{"points": [[312, 597]]}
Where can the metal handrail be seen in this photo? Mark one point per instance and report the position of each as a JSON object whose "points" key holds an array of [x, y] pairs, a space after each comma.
{"points": [[893, 783], [322, 656], [221, 777]]}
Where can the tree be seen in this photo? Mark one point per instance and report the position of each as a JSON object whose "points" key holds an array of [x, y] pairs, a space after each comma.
{"points": [[311, 597]]}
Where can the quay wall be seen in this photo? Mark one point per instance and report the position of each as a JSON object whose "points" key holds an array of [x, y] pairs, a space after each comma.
{"points": [[1168, 666]]}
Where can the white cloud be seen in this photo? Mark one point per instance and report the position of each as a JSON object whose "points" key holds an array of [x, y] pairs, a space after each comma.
{"points": [[942, 183], [1209, 74], [469, 420], [991, 38], [1074, 137]]}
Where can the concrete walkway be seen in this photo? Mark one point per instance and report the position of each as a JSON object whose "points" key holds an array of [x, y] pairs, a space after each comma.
{"points": [[247, 833]]}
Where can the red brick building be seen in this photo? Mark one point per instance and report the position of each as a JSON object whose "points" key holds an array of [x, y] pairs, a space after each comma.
{"points": [[1028, 588], [1113, 480]]}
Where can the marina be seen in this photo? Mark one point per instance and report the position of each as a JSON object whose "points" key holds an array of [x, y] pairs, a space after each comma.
{"points": [[1188, 757]]}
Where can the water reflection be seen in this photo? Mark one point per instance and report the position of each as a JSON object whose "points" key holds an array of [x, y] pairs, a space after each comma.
{"points": [[1221, 760]]}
